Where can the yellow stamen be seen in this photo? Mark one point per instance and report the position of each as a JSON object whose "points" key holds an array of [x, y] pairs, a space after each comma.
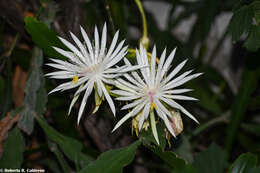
{"points": [[75, 79], [153, 106]]}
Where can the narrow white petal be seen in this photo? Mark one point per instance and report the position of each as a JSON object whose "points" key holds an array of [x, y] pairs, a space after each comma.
{"points": [[166, 121], [124, 98], [174, 104], [133, 81], [126, 117], [128, 85], [179, 97], [177, 91], [68, 54], [144, 116], [71, 47], [122, 93], [175, 71], [87, 41], [160, 106], [168, 62], [59, 73], [153, 65], [84, 100], [81, 47], [75, 98], [119, 47], [160, 66], [133, 104], [96, 44], [103, 40], [99, 89], [117, 58], [174, 81], [184, 80], [113, 44], [108, 98]]}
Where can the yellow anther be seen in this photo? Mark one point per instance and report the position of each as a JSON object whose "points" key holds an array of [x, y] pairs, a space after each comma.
{"points": [[75, 79], [153, 106]]}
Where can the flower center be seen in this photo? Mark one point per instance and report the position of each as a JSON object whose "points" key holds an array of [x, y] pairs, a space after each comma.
{"points": [[150, 95]]}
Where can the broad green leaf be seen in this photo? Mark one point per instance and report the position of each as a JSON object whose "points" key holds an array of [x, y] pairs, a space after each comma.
{"points": [[112, 161], [244, 163], [13, 148], [169, 157], [248, 86], [213, 160], [44, 37], [253, 41], [240, 22], [71, 147]]}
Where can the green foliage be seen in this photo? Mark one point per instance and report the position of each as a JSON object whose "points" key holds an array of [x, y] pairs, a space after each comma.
{"points": [[112, 161], [253, 41], [240, 22], [13, 148], [71, 147], [44, 37], [213, 160], [169, 157], [248, 86], [246, 163], [36, 96]]}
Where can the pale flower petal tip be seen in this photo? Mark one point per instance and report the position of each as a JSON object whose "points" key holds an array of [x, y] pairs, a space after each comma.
{"points": [[152, 85]]}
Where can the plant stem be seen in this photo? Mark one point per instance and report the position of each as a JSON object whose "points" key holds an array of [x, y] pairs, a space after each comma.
{"points": [[110, 16], [223, 118], [144, 40]]}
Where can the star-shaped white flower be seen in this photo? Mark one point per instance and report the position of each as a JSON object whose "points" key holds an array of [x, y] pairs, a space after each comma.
{"points": [[89, 65], [152, 89]]}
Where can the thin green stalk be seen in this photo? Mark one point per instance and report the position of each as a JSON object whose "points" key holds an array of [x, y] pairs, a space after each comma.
{"points": [[220, 119], [144, 40], [110, 16]]}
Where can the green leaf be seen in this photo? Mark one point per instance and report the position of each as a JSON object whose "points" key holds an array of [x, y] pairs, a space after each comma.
{"points": [[185, 150], [240, 22], [169, 157], [253, 41], [213, 160], [147, 136], [33, 84], [256, 7], [112, 161], [43, 37], [71, 147], [248, 86], [13, 149], [244, 163]]}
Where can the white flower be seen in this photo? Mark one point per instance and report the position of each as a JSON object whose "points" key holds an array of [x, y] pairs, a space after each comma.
{"points": [[88, 66], [153, 89]]}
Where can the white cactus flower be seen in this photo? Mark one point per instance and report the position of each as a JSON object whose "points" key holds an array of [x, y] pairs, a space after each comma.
{"points": [[152, 89], [89, 65]]}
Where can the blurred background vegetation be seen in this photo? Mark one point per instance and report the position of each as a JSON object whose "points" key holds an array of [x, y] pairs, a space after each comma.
{"points": [[219, 37]]}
